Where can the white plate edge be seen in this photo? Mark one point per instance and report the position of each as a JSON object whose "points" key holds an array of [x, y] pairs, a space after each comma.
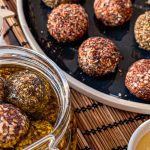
{"points": [[77, 85]]}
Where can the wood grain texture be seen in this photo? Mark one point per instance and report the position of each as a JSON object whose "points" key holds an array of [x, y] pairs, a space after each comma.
{"points": [[99, 127]]}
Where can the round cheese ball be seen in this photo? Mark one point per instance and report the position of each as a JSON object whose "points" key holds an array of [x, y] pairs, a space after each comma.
{"points": [[54, 3], [113, 12], [138, 79], [2, 84], [27, 91], [38, 130], [67, 22], [98, 56], [142, 30], [13, 125]]}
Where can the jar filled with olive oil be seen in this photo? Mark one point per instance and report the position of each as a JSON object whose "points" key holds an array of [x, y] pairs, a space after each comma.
{"points": [[34, 89]]}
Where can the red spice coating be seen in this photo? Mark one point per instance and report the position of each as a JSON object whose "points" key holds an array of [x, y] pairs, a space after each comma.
{"points": [[13, 125], [98, 56], [138, 79], [67, 22], [113, 12]]}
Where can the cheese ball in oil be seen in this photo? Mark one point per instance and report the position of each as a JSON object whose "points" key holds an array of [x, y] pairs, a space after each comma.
{"points": [[37, 130], [2, 88], [27, 91], [13, 125]]}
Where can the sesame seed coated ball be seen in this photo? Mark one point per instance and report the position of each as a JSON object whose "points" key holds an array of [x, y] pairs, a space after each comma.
{"points": [[27, 91], [54, 3], [98, 56], [2, 88], [67, 22], [38, 130], [138, 79], [142, 30], [13, 125], [113, 12]]}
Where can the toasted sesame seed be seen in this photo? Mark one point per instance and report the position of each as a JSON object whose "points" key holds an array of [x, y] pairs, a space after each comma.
{"points": [[67, 22], [98, 56], [142, 31], [113, 12], [138, 79]]}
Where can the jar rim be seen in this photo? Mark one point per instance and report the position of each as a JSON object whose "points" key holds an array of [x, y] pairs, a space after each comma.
{"points": [[66, 90]]}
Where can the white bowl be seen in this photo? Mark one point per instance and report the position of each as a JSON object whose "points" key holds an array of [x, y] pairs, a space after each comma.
{"points": [[142, 130]]}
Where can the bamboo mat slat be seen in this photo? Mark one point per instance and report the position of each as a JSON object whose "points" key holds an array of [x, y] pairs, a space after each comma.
{"points": [[100, 127]]}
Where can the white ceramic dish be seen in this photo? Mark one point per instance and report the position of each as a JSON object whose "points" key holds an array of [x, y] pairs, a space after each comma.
{"points": [[77, 85], [138, 134]]}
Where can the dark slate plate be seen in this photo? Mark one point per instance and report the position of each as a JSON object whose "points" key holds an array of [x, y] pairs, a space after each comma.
{"points": [[65, 55]]}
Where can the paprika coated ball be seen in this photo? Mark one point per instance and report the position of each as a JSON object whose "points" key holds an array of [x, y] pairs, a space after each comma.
{"points": [[138, 79], [67, 22], [98, 56], [113, 12], [13, 125]]}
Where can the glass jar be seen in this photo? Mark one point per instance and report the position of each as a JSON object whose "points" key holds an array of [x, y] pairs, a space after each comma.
{"points": [[64, 134]]}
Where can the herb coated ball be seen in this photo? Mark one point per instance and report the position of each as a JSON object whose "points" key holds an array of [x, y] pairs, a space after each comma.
{"points": [[138, 79], [113, 12], [98, 56], [67, 22], [142, 30], [37, 130], [2, 84], [54, 3], [27, 91], [13, 125]]}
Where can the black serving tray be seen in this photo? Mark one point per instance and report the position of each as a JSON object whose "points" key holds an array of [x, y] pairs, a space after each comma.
{"points": [[109, 89]]}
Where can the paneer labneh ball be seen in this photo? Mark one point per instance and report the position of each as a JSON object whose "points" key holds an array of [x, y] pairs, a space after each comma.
{"points": [[67, 22], [142, 31], [54, 3], [98, 56], [113, 12], [37, 130], [2, 86], [27, 91], [13, 125], [138, 79]]}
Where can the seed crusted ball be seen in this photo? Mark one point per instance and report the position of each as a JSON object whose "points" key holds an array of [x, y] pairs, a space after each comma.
{"points": [[67, 22], [2, 82], [54, 3], [37, 130], [142, 30], [13, 125], [113, 12], [50, 112], [98, 56], [138, 79], [27, 91]]}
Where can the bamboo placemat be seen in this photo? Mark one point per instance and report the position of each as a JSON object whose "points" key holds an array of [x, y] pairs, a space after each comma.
{"points": [[99, 127]]}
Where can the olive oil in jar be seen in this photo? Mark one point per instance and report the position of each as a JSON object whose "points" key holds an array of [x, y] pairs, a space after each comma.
{"points": [[33, 94]]}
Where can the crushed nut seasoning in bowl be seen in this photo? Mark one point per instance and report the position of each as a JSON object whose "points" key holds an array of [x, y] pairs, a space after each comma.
{"points": [[34, 89]]}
